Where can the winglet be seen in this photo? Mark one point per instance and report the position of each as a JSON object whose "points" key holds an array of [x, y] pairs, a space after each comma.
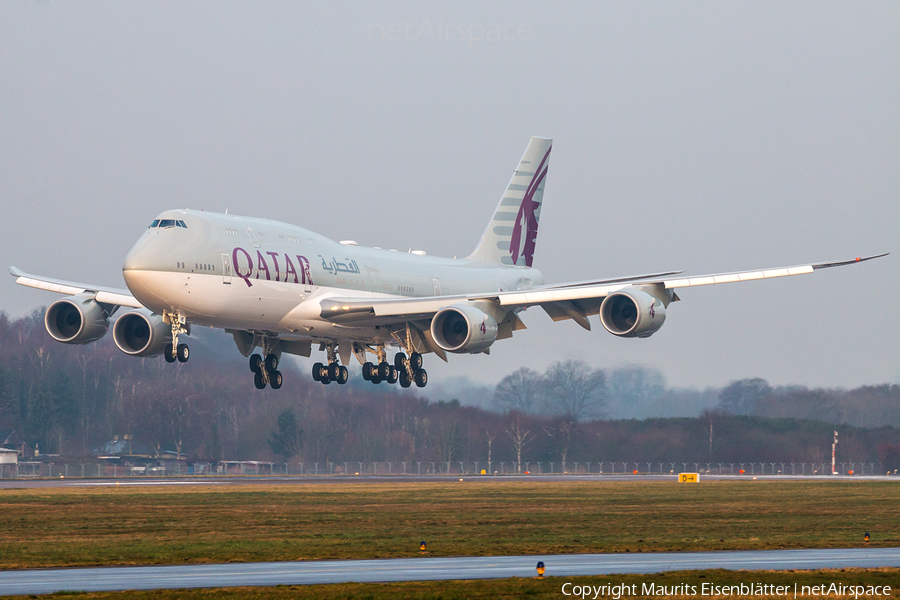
{"points": [[841, 263], [15, 272]]}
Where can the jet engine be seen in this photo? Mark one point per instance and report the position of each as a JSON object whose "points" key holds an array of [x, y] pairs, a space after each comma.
{"points": [[77, 320], [462, 329], [142, 333], [632, 313]]}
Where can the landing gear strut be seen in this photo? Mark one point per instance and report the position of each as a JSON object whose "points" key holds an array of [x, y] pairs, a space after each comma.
{"points": [[265, 371], [176, 351]]}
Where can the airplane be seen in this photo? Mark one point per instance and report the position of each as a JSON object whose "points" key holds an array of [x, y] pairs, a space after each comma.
{"points": [[283, 289]]}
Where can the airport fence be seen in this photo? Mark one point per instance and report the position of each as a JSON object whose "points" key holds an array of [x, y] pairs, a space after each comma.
{"points": [[41, 469]]}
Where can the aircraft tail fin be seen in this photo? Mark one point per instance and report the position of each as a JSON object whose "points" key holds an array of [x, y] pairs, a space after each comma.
{"points": [[511, 235]]}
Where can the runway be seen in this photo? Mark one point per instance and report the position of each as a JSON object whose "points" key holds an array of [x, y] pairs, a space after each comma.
{"points": [[343, 479], [45, 581]]}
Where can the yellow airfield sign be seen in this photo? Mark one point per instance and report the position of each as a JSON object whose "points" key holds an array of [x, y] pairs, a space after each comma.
{"points": [[689, 477]]}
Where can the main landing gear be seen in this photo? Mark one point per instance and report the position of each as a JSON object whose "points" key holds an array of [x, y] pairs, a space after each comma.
{"points": [[332, 372], [176, 351], [405, 370], [266, 371]]}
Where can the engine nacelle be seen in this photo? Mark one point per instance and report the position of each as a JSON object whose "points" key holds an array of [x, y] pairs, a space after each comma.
{"points": [[142, 333], [76, 320], [462, 329], [632, 313]]}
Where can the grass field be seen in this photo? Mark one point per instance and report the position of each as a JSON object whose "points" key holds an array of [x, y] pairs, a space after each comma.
{"points": [[210, 524]]}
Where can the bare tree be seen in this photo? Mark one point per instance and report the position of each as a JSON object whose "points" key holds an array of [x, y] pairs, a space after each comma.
{"points": [[562, 435], [518, 438], [574, 390], [518, 391], [741, 397]]}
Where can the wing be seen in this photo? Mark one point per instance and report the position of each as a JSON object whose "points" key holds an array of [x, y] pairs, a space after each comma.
{"points": [[103, 295], [575, 301]]}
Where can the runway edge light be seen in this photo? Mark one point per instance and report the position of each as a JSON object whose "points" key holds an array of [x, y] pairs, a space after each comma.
{"points": [[540, 568], [422, 546], [866, 537]]}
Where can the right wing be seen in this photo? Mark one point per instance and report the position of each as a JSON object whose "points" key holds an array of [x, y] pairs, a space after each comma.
{"points": [[103, 295], [575, 300]]}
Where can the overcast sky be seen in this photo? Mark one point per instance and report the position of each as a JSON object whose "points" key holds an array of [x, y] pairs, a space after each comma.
{"points": [[707, 137]]}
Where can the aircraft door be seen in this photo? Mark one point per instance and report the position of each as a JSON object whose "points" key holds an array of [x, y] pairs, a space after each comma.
{"points": [[226, 269], [437, 286]]}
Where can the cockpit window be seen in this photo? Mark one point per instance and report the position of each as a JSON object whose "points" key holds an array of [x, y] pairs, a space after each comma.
{"points": [[180, 223], [167, 223], [154, 223]]}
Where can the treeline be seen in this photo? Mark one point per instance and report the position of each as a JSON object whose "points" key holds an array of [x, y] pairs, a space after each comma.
{"points": [[72, 399]]}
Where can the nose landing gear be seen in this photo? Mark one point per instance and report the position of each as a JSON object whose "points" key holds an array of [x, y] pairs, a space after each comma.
{"points": [[176, 351]]}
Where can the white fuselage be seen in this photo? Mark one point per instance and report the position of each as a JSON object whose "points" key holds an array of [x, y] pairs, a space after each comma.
{"points": [[259, 275]]}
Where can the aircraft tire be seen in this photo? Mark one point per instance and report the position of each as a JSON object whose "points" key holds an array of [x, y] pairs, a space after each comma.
{"points": [[258, 381], [404, 379], [384, 370], [167, 352], [400, 361], [415, 360], [183, 352], [375, 379], [255, 362], [275, 380], [317, 371], [343, 375], [421, 378], [271, 363], [392, 376], [367, 371], [334, 370]]}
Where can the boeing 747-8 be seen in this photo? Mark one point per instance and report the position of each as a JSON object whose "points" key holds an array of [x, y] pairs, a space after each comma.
{"points": [[285, 289]]}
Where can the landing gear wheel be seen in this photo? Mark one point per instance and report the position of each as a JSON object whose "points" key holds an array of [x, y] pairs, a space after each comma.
{"points": [[421, 378], [375, 379], [167, 352], [275, 380], [415, 359], [334, 370], [325, 380], [184, 353], [404, 379], [367, 371], [317, 371], [271, 363], [392, 376], [255, 363], [384, 370], [343, 375], [400, 361], [258, 381]]}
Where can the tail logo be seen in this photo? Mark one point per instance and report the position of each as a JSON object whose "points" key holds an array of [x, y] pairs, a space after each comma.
{"points": [[527, 217]]}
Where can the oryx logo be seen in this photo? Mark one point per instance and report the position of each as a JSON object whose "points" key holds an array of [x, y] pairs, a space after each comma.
{"points": [[652, 310], [483, 326], [517, 245]]}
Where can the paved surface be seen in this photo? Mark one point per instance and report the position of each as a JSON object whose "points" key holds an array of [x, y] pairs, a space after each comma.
{"points": [[46, 581], [338, 479]]}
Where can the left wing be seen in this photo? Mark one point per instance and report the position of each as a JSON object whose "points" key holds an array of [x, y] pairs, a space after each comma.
{"points": [[103, 295], [563, 301]]}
